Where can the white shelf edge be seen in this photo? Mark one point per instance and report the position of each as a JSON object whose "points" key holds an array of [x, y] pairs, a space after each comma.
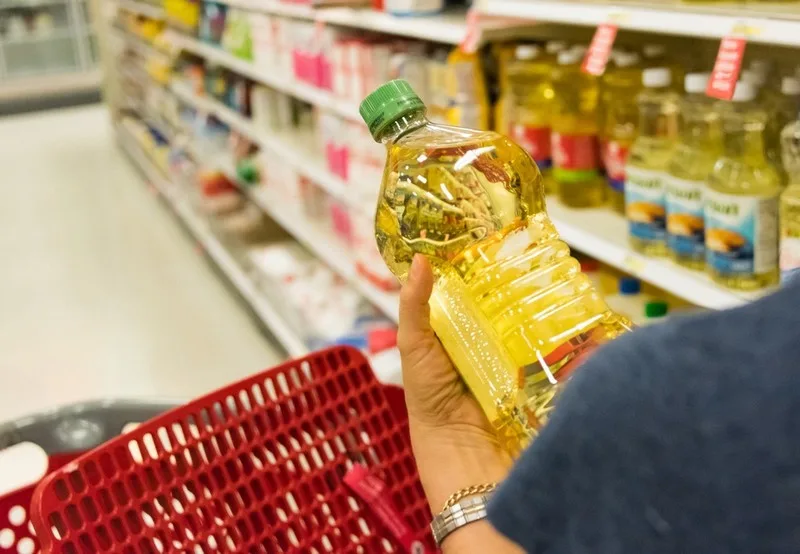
{"points": [[41, 86], [668, 18], [273, 320], [602, 234], [142, 8], [284, 83]]}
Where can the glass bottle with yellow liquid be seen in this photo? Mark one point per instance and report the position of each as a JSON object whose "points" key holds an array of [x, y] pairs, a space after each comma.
{"points": [[790, 205], [699, 148], [620, 86], [647, 163], [741, 208], [510, 305], [576, 155], [531, 97]]}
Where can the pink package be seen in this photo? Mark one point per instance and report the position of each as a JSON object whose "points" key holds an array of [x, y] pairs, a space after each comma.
{"points": [[340, 219]]}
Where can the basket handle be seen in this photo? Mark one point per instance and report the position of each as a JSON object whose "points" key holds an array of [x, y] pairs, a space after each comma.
{"points": [[80, 427]]}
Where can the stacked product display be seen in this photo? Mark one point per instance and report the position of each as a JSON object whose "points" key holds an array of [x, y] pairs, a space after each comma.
{"points": [[675, 195]]}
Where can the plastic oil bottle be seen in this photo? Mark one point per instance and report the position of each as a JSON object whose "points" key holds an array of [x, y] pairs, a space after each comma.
{"points": [[741, 208], [783, 110], [694, 157], [620, 86], [531, 97], [510, 304], [574, 143], [790, 204], [647, 162]]}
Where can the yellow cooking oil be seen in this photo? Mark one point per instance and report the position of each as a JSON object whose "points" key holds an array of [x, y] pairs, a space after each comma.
{"points": [[510, 305], [620, 87], [789, 258], [741, 208], [699, 147], [647, 163], [528, 77], [574, 141]]}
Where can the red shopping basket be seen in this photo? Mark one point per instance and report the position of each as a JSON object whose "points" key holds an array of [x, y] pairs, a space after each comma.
{"points": [[255, 467], [61, 435]]}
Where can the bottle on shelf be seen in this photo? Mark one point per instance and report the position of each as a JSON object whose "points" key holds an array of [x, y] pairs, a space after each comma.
{"points": [[509, 304], [655, 311], [620, 86], [647, 162], [553, 47], [576, 163], [790, 204], [697, 151], [783, 110], [741, 208], [530, 100], [655, 55], [628, 300]]}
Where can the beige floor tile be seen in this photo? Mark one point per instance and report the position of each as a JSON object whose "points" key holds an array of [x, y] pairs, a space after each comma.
{"points": [[102, 293]]}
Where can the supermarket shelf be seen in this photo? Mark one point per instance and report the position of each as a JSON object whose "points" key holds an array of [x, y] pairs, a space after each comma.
{"points": [[40, 86], [449, 27], [284, 83], [293, 148], [603, 234], [329, 251], [142, 8], [271, 318], [766, 23]]}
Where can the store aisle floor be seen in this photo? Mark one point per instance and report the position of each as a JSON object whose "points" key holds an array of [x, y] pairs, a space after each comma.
{"points": [[102, 293]]}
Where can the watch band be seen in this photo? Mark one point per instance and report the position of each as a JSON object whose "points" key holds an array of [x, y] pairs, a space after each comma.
{"points": [[464, 512]]}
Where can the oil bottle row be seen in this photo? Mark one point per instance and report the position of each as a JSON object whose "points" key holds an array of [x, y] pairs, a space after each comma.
{"points": [[698, 179]]}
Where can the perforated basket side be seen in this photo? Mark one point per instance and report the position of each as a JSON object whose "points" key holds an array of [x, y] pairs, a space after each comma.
{"points": [[254, 467]]}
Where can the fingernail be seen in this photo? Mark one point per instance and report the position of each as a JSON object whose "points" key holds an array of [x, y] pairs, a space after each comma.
{"points": [[416, 267]]}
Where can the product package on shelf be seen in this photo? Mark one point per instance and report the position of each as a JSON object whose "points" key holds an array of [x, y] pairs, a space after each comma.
{"points": [[315, 299]]}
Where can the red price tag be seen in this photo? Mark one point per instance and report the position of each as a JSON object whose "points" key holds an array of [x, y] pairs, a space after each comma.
{"points": [[600, 49], [472, 36], [726, 68]]}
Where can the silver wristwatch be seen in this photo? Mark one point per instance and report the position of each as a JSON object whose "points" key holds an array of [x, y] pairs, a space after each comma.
{"points": [[463, 512]]}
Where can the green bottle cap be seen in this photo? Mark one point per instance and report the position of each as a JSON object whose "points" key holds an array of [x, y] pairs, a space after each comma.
{"points": [[656, 308], [387, 104]]}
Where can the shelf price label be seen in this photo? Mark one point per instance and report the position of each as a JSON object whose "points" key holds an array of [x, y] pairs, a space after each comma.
{"points": [[726, 68], [600, 49], [472, 35]]}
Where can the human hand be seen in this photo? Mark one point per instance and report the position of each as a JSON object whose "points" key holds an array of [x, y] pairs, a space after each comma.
{"points": [[454, 445]]}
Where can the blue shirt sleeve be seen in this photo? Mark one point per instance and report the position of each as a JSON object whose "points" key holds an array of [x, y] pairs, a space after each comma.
{"points": [[675, 439]]}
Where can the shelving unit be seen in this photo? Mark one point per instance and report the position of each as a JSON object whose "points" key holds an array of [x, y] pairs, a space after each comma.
{"points": [[284, 83], [599, 233], [217, 253]]}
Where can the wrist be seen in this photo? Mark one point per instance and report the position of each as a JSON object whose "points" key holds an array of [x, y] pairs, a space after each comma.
{"points": [[456, 457]]}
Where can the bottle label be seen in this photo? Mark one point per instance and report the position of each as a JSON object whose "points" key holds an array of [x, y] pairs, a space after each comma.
{"points": [[615, 155], [790, 259], [685, 228], [741, 233], [644, 203], [535, 141], [574, 152]]}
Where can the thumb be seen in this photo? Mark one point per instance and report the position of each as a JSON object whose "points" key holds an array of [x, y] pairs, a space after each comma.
{"points": [[415, 321]]}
